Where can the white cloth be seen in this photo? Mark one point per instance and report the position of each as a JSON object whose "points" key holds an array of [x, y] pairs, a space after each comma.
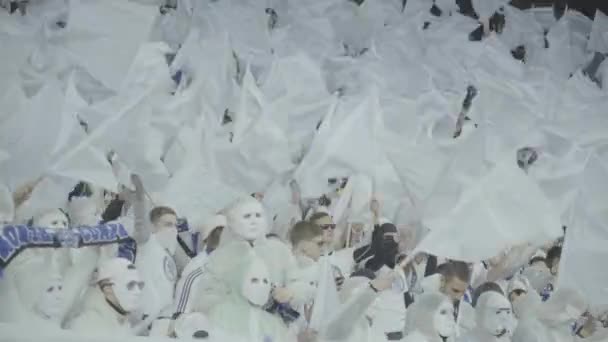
{"points": [[491, 209]]}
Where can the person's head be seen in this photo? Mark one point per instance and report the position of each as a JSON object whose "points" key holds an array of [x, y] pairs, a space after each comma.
{"points": [[83, 211], [553, 258], [324, 221], [247, 219], [54, 218], [455, 278], [307, 239], [163, 218], [49, 304], [164, 227], [483, 288], [210, 232], [255, 286], [432, 315], [538, 261], [121, 285], [517, 287], [494, 315]]}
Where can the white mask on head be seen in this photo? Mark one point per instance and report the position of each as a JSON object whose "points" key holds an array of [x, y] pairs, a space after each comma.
{"points": [[83, 211], [495, 316], [248, 220], [256, 283], [167, 238], [50, 302], [127, 290], [444, 321], [52, 219]]}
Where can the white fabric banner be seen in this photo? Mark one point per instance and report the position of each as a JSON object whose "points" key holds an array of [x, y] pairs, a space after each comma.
{"points": [[504, 209]]}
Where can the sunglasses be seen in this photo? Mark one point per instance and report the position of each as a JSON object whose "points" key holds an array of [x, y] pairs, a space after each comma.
{"points": [[328, 226], [518, 292], [132, 284]]}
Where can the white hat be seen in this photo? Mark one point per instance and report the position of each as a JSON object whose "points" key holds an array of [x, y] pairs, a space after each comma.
{"points": [[114, 268]]}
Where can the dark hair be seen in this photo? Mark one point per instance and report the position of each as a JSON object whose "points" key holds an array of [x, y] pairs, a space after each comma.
{"points": [[157, 212], [483, 288], [82, 189], [317, 216], [537, 259], [455, 269], [303, 231], [554, 253]]}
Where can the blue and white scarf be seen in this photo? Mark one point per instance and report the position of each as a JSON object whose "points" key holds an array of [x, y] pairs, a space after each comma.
{"points": [[14, 239]]}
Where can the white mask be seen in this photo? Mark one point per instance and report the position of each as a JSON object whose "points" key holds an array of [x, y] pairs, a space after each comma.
{"points": [[127, 290], [167, 238], [83, 211], [444, 321], [52, 219], [248, 220], [497, 315], [50, 302], [256, 284]]}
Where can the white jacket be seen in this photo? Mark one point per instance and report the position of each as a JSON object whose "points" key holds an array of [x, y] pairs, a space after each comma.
{"points": [[99, 318], [188, 283], [159, 273]]}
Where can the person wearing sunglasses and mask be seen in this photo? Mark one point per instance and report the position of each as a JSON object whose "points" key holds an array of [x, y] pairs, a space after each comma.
{"points": [[116, 294], [307, 240], [325, 222]]}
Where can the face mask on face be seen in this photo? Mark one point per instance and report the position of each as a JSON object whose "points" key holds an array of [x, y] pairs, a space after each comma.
{"points": [[128, 291], [83, 211], [248, 220], [443, 320], [256, 284], [50, 303], [497, 314], [167, 238], [54, 219]]}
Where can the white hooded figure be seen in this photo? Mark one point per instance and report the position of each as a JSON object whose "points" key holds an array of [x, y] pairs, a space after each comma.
{"points": [[430, 319], [495, 320], [553, 320], [34, 295], [246, 231], [84, 211], [242, 313], [107, 305]]}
